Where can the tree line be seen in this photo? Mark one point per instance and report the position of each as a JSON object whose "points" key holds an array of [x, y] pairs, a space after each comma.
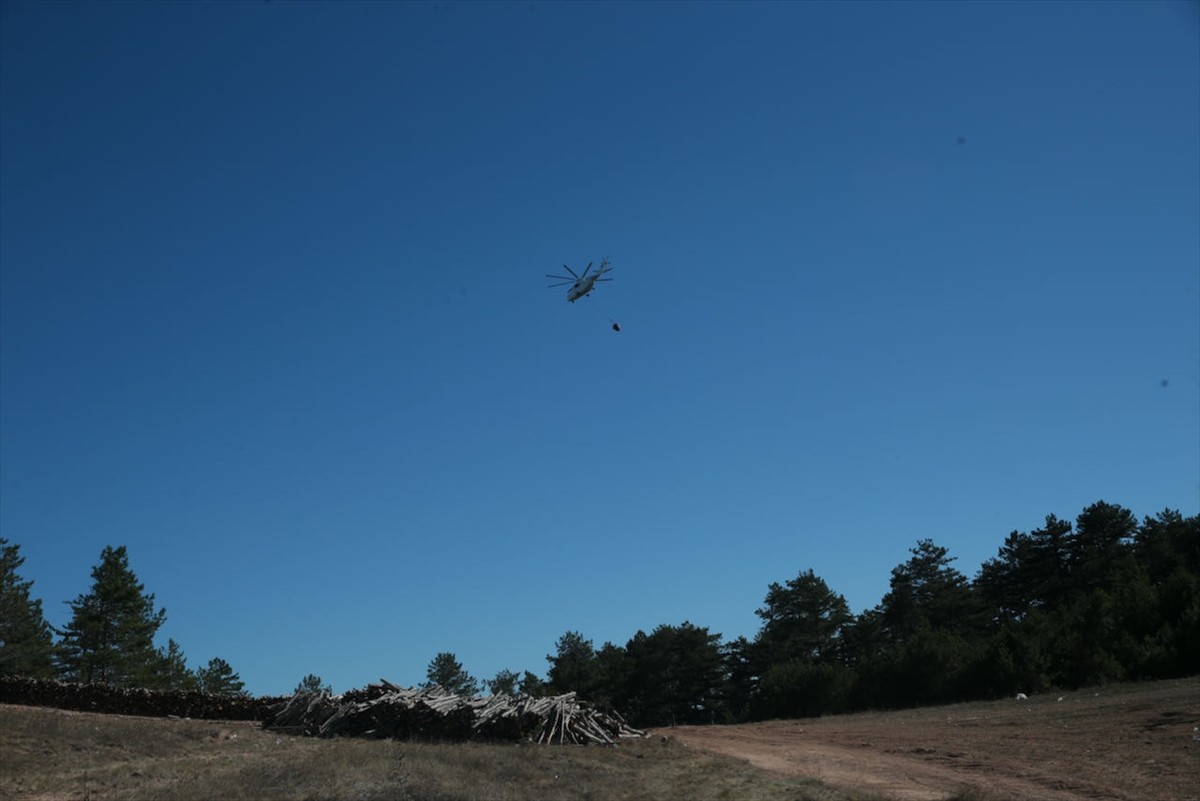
{"points": [[109, 638], [1103, 599], [1106, 599]]}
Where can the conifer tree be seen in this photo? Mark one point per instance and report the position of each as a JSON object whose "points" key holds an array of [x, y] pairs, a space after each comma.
{"points": [[312, 683], [218, 678], [927, 591], [173, 673], [531, 684], [573, 668], [803, 619], [110, 637], [505, 683], [26, 644], [447, 672]]}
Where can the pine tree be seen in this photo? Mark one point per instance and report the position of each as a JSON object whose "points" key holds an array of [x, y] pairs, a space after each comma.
{"points": [[1046, 572], [927, 591], [678, 671], [26, 644], [447, 672], [110, 637], [1101, 549], [803, 620], [505, 683], [741, 679], [532, 684], [573, 668], [1005, 583], [312, 683], [218, 678], [173, 673], [613, 668]]}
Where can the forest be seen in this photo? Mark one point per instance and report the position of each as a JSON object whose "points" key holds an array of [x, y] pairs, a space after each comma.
{"points": [[1103, 599]]}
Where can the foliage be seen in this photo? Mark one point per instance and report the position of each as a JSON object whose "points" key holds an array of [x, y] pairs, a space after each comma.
{"points": [[740, 683], [926, 592], [505, 683], [531, 684], [573, 668], [218, 678], [675, 675], [447, 672], [802, 620], [173, 673], [110, 637], [1101, 599], [802, 688], [312, 683], [26, 641]]}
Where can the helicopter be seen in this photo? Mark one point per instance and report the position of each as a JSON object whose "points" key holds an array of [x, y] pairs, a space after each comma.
{"points": [[581, 285]]}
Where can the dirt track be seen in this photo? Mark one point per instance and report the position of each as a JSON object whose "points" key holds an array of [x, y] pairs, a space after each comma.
{"points": [[1126, 743]]}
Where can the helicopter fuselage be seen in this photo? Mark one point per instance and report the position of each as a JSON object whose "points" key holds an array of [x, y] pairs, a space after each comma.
{"points": [[581, 288], [581, 285]]}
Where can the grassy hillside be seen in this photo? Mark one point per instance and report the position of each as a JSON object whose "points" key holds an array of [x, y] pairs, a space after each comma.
{"points": [[54, 755], [1129, 741]]}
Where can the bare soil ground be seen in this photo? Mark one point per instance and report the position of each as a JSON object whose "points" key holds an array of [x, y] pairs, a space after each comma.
{"points": [[1137, 742]]}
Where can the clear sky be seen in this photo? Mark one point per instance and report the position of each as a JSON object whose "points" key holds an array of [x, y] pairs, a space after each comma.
{"points": [[274, 314]]}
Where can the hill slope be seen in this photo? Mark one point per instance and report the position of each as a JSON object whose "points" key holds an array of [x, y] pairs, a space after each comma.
{"points": [[1129, 742]]}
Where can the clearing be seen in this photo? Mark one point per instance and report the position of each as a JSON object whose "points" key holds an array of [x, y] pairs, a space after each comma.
{"points": [[1136, 742], [1131, 742]]}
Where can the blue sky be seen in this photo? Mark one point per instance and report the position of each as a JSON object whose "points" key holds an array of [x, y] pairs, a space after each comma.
{"points": [[273, 312]]}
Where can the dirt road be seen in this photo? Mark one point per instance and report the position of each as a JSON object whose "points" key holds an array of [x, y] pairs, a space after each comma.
{"points": [[1125, 743]]}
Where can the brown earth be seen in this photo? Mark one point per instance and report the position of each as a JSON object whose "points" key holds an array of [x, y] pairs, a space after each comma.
{"points": [[1137, 742]]}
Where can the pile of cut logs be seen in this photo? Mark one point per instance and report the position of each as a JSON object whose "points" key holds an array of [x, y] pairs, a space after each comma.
{"points": [[387, 710], [132, 701]]}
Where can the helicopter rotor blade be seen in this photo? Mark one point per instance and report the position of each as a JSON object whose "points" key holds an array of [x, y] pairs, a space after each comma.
{"points": [[564, 283], [585, 270], [572, 272]]}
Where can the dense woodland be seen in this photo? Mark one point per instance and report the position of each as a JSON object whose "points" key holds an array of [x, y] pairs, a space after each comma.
{"points": [[1104, 599]]}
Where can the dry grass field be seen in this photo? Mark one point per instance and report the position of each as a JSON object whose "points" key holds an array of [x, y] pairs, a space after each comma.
{"points": [[54, 755], [1126, 742]]}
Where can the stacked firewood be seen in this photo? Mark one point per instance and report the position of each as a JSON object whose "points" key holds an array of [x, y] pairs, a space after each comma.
{"points": [[132, 701], [387, 710]]}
